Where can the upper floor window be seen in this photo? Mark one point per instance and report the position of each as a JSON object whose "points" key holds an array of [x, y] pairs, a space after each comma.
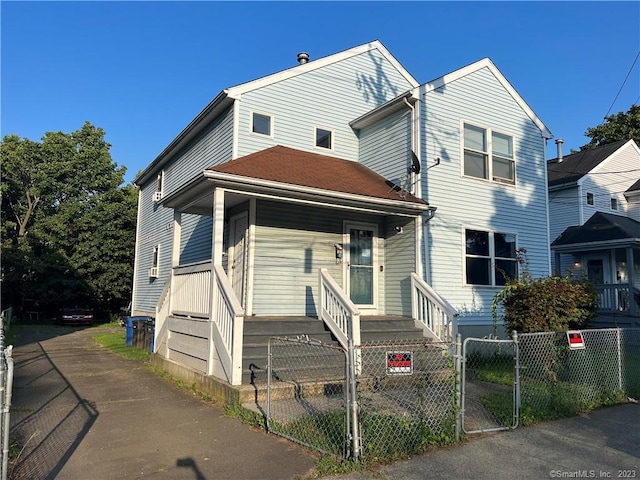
{"points": [[155, 262], [614, 203], [590, 200], [490, 257], [324, 138], [488, 155], [261, 124]]}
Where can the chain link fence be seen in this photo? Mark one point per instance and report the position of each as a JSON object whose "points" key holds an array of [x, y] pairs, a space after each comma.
{"points": [[565, 373], [6, 387], [307, 394], [489, 385], [407, 396]]}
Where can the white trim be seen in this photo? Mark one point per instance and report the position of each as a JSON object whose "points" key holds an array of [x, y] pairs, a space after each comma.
{"points": [[232, 252], [489, 139], [235, 130], [347, 225], [487, 63], [177, 236], [332, 139], [271, 124], [137, 260], [238, 90], [251, 254]]}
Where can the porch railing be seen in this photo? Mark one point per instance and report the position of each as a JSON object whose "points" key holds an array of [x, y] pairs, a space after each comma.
{"points": [[432, 311], [162, 313], [337, 310], [228, 321], [191, 287], [617, 298]]}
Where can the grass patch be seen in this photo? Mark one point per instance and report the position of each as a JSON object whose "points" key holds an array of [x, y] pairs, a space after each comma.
{"points": [[249, 417], [631, 372], [115, 342], [496, 368], [500, 404]]}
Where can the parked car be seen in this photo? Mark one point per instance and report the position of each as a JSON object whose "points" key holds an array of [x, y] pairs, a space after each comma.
{"points": [[76, 315]]}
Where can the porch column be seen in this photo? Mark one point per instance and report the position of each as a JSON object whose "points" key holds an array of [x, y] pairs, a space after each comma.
{"points": [[216, 259], [633, 308], [218, 226], [177, 231], [556, 267]]}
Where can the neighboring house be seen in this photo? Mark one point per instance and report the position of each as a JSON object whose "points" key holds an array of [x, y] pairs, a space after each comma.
{"points": [[313, 193], [594, 212]]}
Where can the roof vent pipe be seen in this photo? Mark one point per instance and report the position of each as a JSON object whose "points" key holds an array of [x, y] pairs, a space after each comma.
{"points": [[559, 142], [303, 57]]}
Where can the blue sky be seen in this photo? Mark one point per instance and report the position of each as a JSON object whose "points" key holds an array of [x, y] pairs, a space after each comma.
{"points": [[143, 70]]}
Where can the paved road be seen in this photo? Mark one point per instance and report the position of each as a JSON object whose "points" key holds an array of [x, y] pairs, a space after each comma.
{"points": [[85, 413]]}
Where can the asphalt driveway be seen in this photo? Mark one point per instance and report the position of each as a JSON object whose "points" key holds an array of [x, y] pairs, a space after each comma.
{"points": [[84, 413]]}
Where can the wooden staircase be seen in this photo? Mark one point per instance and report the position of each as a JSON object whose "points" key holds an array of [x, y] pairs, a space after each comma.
{"points": [[258, 331]]}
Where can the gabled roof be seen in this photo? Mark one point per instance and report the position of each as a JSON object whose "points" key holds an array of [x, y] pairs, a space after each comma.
{"points": [[635, 188], [600, 228], [288, 166], [487, 63], [225, 98], [576, 165]]}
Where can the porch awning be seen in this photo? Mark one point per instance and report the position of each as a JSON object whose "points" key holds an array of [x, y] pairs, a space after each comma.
{"points": [[290, 175], [602, 230]]}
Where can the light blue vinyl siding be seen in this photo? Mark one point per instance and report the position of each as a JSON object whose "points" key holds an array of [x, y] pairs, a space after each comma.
{"points": [[328, 98], [399, 263], [212, 147], [385, 147], [480, 99], [291, 244]]}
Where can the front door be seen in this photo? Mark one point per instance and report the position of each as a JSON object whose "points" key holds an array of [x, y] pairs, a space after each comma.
{"points": [[598, 269], [361, 264], [238, 240]]}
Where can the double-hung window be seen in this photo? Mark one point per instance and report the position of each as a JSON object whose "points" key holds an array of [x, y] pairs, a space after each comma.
{"points": [[488, 155], [490, 257]]}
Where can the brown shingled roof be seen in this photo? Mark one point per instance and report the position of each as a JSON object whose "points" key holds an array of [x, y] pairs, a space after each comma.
{"points": [[295, 167]]}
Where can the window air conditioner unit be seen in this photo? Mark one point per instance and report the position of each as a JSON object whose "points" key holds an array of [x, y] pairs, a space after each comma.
{"points": [[157, 196], [153, 272]]}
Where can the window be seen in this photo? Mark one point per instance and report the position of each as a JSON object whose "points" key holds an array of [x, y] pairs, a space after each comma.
{"points": [[261, 124], [490, 257], [324, 138], [614, 203], [488, 155], [155, 262], [590, 200]]}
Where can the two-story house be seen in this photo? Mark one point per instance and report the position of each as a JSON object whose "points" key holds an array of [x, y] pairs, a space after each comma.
{"points": [[594, 212], [337, 191]]}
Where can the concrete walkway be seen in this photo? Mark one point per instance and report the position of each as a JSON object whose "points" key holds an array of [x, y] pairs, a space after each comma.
{"points": [[84, 413]]}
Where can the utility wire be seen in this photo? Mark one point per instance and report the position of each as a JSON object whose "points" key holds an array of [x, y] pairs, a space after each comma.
{"points": [[623, 84]]}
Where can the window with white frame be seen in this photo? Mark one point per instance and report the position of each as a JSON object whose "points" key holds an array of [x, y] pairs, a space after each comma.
{"points": [[324, 138], [614, 203], [488, 155], [590, 199], [490, 257], [261, 124]]}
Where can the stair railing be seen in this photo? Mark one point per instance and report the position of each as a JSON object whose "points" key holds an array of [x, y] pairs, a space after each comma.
{"points": [[337, 310], [432, 311], [160, 330], [228, 326]]}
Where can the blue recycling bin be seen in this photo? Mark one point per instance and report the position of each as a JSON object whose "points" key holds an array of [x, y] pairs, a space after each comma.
{"points": [[134, 323]]}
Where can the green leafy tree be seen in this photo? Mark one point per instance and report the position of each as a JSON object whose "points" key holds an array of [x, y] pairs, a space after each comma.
{"points": [[621, 126], [68, 223]]}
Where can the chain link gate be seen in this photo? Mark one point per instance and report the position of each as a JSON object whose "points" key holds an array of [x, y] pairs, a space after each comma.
{"points": [[308, 394], [490, 385]]}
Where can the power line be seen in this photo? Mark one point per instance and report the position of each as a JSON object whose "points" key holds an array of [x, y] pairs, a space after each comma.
{"points": [[622, 86]]}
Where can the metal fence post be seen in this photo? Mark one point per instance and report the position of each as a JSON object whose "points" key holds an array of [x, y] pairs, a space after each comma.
{"points": [[458, 373], [516, 380], [5, 412], [620, 385], [353, 397]]}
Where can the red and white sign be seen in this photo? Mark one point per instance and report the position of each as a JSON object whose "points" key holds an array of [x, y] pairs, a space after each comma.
{"points": [[576, 342], [399, 363]]}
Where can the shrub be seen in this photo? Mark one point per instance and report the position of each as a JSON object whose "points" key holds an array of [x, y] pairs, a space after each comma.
{"points": [[548, 304]]}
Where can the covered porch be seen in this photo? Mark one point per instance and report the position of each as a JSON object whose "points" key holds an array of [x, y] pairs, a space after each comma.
{"points": [[290, 246], [605, 250]]}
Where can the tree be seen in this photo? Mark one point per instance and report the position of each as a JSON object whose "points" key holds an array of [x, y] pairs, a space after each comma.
{"points": [[68, 225], [621, 126]]}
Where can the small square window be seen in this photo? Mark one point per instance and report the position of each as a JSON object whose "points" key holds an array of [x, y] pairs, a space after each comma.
{"points": [[324, 138], [614, 203], [590, 198], [261, 124]]}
